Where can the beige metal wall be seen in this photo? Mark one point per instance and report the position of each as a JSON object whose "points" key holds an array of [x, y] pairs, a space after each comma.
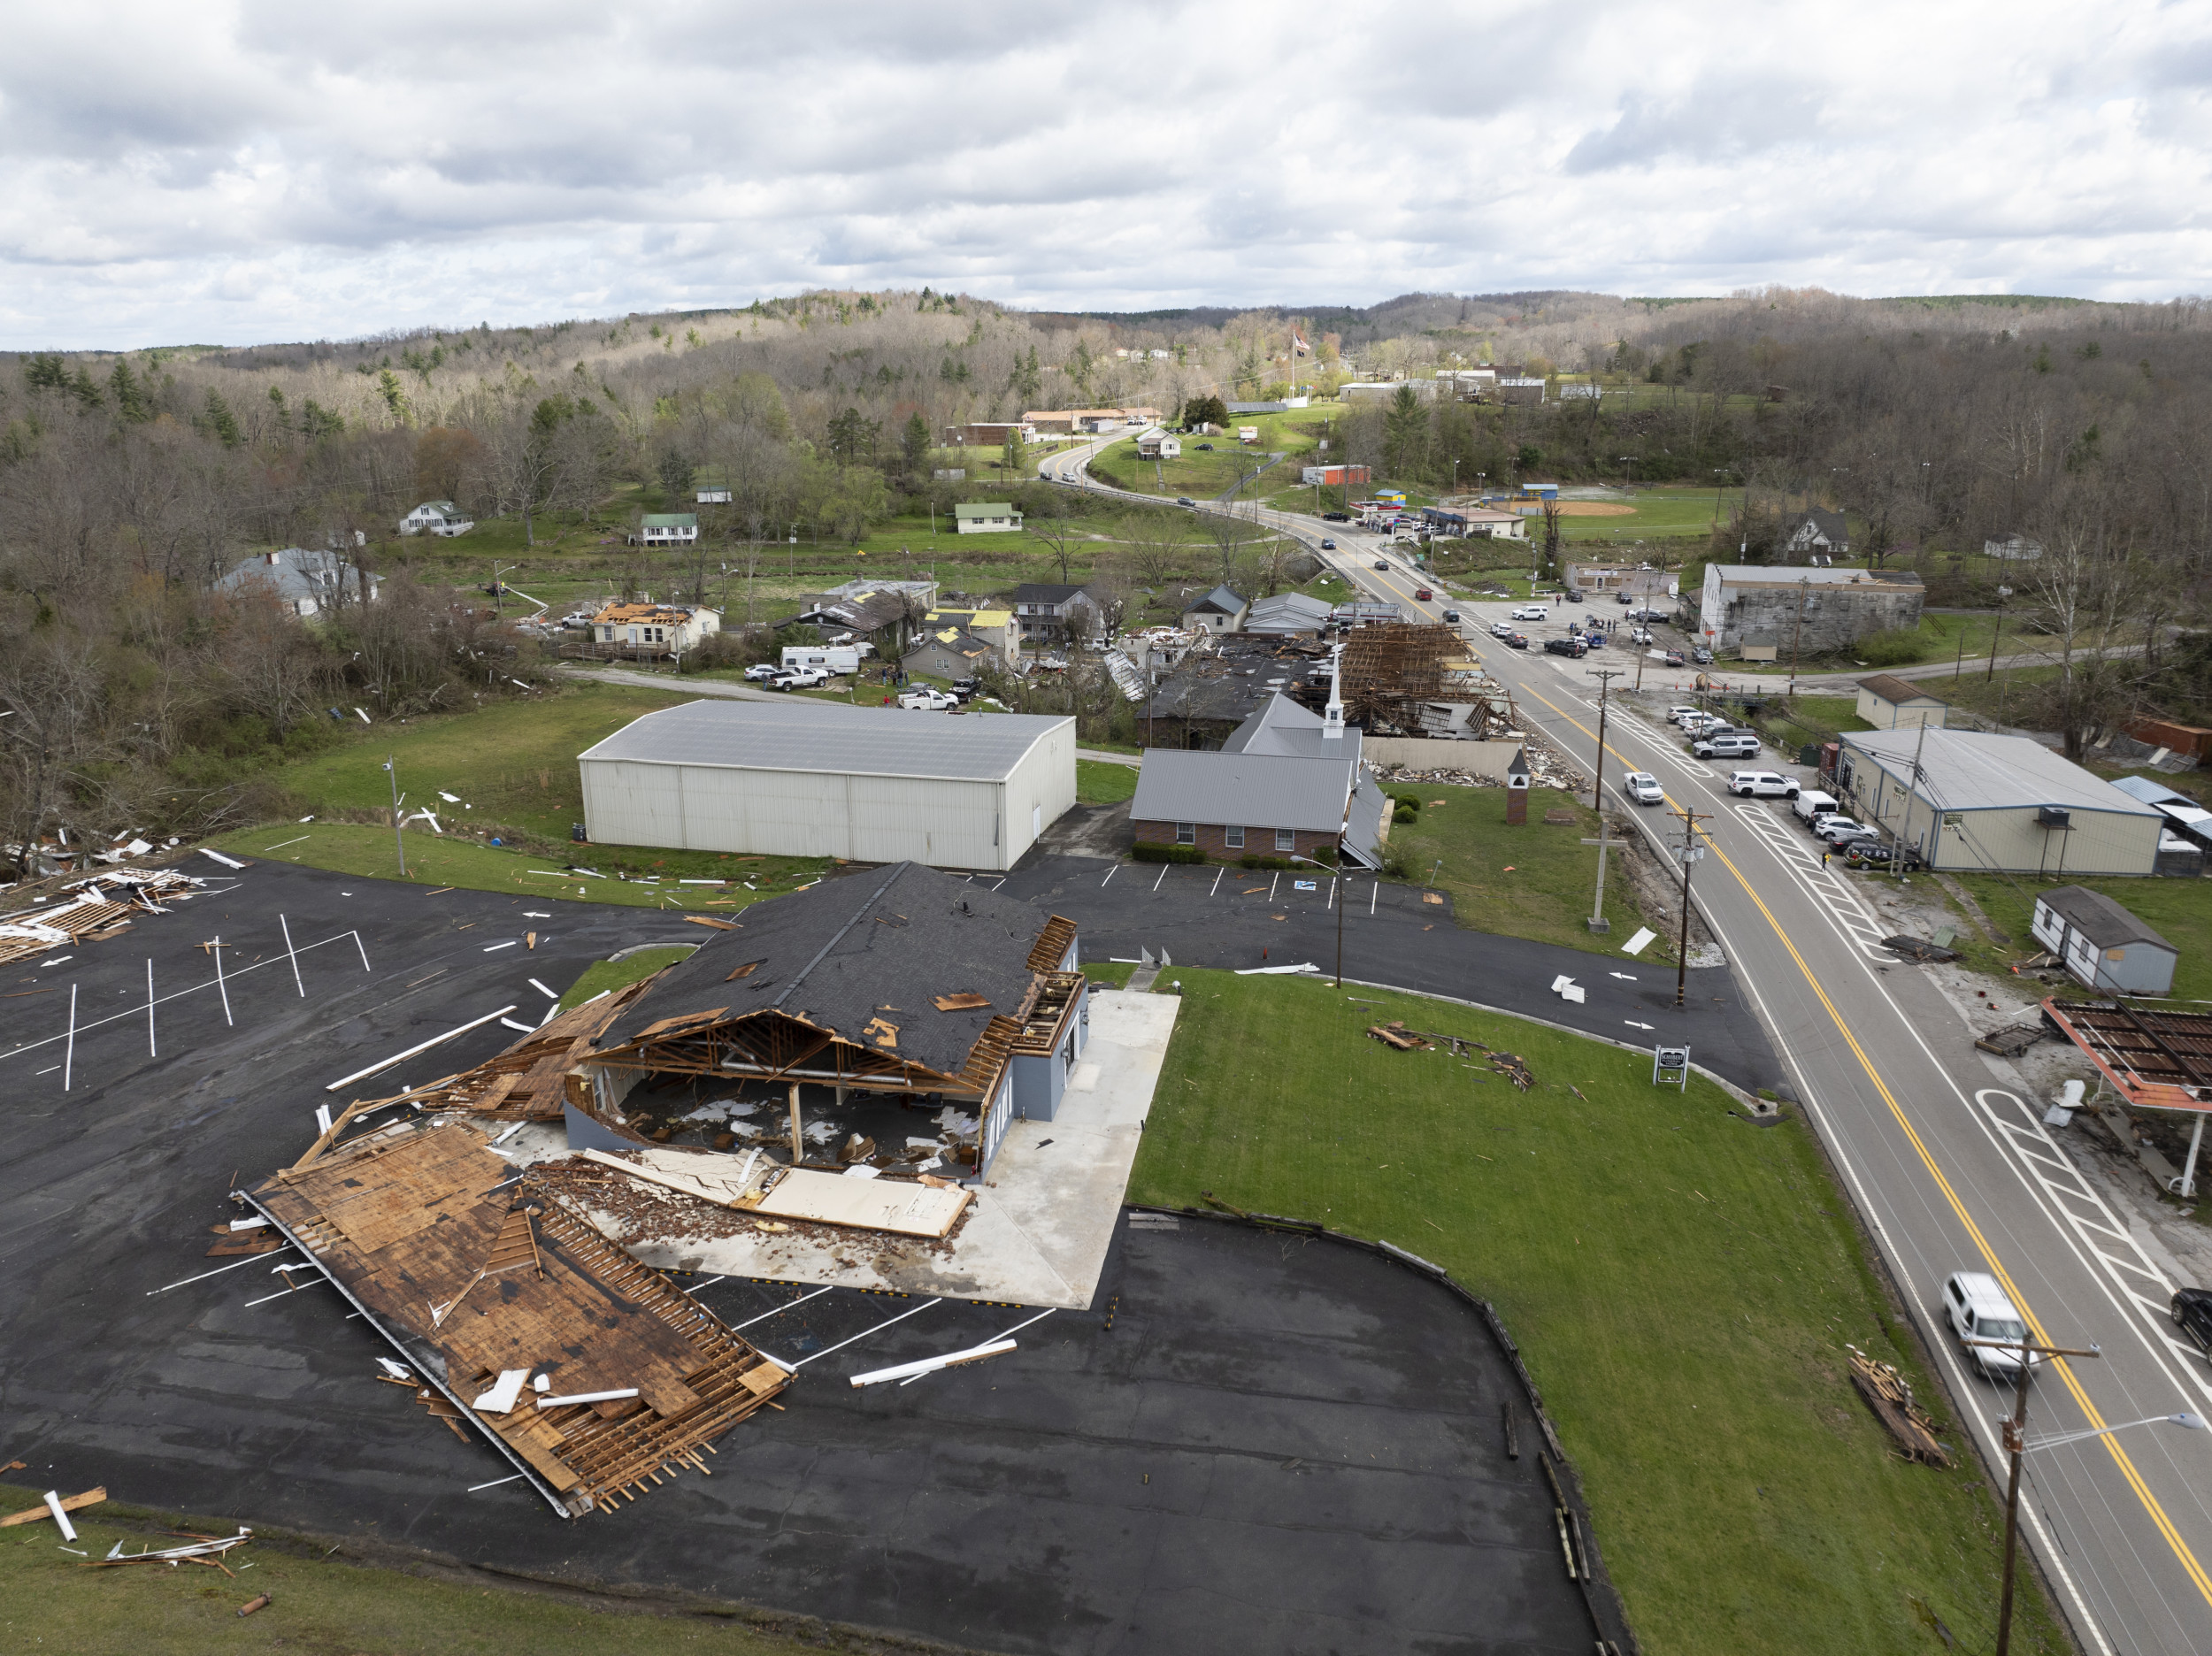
{"points": [[2099, 843], [1039, 791], [793, 813]]}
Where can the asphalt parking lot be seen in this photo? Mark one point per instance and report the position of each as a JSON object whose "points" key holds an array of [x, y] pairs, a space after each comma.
{"points": [[1279, 1444], [1213, 916]]}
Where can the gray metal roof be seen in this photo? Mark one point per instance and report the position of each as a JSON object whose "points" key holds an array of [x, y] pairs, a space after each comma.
{"points": [[2099, 919], [1257, 789], [1969, 771], [823, 738], [1281, 727]]}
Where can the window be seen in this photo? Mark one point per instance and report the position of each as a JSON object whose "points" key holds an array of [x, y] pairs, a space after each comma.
{"points": [[1186, 833], [1234, 837], [1286, 838]]}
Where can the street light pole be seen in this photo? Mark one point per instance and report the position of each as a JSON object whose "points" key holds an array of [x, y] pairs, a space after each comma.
{"points": [[399, 834], [1339, 883]]}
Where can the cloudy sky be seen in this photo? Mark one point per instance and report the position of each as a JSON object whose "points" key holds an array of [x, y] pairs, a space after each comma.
{"points": [[230, 172]]}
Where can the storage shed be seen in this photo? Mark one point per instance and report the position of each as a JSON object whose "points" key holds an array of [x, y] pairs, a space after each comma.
{"points": [[1888, 702], [803, 779], [1973, 802], [2101, 945]]}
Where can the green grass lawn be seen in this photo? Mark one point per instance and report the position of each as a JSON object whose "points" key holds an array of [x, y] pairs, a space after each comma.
{"points": [[602, 976], [1809, 719], [2180, 910], [1534, 881], [329, 1605], [1666, 513], [1098, 782], [1681, 1284], [435, 860]]}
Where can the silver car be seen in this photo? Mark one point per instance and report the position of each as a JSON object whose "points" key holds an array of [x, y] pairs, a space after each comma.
{"points": [[1643, 787]]}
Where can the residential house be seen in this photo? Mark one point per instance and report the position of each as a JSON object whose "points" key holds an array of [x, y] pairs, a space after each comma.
{"points": [[653, 629], [884, 619], [987, 517], [665, 529], [2102, 945], [1219, 682], [437, 518], [951, 653], [1287, 782], [1158, 445], [305, 583], [1287, 615], [996, 626], [714, 497], [1816, 535], [2015, 548], [987, 433], [1050, 614], [1220, 611], [1886, 702]]}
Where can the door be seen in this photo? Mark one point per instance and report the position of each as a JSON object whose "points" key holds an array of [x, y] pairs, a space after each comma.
{"points": [[1036, 822]]}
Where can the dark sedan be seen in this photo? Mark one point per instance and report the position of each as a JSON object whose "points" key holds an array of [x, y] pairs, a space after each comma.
{"points": [[1515, 640], [2193, 1315]]}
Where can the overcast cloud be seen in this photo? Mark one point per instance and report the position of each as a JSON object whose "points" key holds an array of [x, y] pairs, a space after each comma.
{"points": [[243, 172]]}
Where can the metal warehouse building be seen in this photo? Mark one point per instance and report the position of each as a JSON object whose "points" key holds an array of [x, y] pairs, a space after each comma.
{"points": [[1968, 801], [809, 778]]}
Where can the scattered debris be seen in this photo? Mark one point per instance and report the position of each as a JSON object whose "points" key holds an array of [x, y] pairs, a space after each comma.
{"points": [[1889, 1395], [56, 1506], [1919, 950], [2012, 1041]]}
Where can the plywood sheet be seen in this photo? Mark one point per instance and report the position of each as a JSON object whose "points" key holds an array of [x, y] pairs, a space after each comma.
{"points": [[710, 1178], [923, 1210]]}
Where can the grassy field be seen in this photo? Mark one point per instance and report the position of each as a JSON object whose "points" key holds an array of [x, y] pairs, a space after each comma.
{"points": [[1664, 513], [1203, 474], [1098, 782], [1681, 1284], [328, 1605], [2180, 910], [602, 976], [1535, 881]]}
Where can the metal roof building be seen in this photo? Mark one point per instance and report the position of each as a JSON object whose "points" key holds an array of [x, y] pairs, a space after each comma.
{"points": [[809, 778], [1968, 801]]}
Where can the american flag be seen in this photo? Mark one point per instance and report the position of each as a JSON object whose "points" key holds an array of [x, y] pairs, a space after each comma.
{"points": [[1298, 345]]}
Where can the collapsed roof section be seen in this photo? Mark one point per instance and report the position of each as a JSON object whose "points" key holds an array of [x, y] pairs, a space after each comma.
{"points": [[2157, 1059], [484, 1284], [902, 979]]}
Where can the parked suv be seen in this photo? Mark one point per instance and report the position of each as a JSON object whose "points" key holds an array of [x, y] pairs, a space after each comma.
{"points": [[1726, 745], [1840, 831], [2191, 1310], [1979, 1309], [1762, 784], [1531, 613]]}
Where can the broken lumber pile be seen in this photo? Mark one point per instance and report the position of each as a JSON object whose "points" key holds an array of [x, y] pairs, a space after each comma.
{"points": [[1396, 1035], [1889, 1395]]}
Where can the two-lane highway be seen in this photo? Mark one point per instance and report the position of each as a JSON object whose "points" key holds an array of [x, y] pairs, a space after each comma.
{"points": [[1943, 1148]]}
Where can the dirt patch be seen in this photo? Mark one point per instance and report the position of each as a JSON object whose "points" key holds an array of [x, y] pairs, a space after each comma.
{"points": [[1594, 508]]}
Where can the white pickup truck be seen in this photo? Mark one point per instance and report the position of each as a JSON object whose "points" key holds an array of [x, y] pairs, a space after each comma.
{"points": [[927, 699]]}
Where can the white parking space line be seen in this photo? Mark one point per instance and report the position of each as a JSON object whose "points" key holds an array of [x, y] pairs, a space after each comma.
{"points": [[1825, 886]]}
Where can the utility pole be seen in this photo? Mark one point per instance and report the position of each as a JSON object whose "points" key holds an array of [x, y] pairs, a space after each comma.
{"points": [[399, 834], [498, 607], [2003, 593], [1687, 853], [1605, 677], [2015, 1446]]}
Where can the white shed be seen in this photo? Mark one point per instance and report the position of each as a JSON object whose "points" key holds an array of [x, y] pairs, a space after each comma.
{"points": [[2101, 945], [804, 779]]}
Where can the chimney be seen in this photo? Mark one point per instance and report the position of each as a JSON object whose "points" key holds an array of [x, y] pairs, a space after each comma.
{"points": [[1333, 715]]}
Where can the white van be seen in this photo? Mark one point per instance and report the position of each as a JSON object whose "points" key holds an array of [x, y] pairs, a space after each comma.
{"points": [[1811, 805], [1979, 1309]]}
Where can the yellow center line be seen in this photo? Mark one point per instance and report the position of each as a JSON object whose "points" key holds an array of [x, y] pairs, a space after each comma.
{"points": [[2120, 1457]]}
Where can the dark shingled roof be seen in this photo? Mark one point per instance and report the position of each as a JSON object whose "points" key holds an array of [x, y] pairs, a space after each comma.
{"points": [[879, 943], [2099, 919]]}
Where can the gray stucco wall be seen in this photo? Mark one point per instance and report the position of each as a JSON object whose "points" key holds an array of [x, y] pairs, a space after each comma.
{"points": [[1834, 616]]}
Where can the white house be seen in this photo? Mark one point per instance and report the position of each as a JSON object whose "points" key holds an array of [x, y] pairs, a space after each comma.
{"points": [[714, 497], [437, 518], [666, 529], [1157, 445], [987, 517], [655, 629], [305, 583]]}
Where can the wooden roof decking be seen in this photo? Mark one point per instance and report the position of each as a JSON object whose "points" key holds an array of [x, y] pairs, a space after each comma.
{"points": [[1047, 1018], [528, 1081], [469, 1275], [2158, 1058]]}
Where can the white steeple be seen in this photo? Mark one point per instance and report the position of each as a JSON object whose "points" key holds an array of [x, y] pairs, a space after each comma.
{"points": [[1333, 715]]}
